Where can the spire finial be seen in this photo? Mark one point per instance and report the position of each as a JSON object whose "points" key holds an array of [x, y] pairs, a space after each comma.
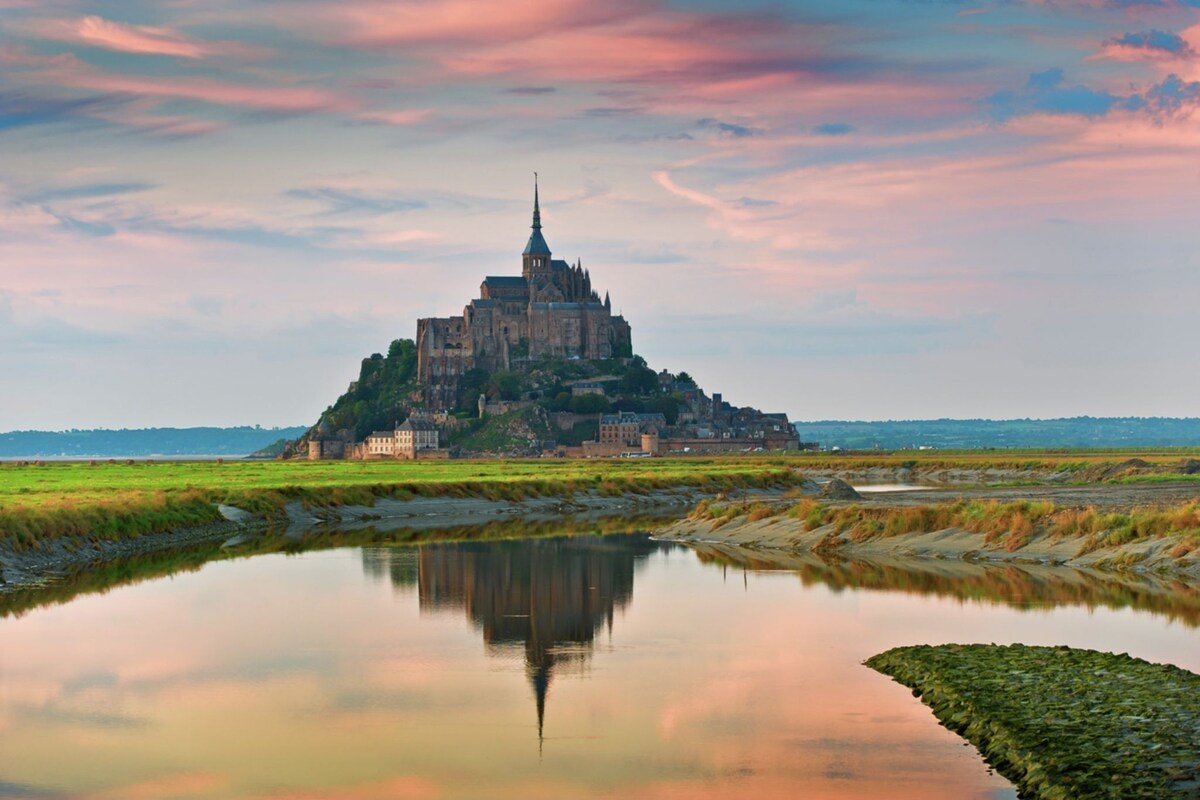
{"points": [[537, 212]]}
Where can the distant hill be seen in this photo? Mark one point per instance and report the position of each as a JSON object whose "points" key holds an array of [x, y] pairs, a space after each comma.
{"points": [[947, 434], [102, 443]]}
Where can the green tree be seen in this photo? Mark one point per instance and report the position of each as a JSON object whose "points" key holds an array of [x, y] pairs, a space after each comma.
{"points": [[402, 360], [506, 385], [639, 379], [590, 404], [473, 383], [382, 394], [665, 406]]}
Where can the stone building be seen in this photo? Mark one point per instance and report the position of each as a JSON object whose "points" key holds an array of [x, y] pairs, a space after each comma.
{"points": [[325, 444], [415, 436], [627, 427], [380, 444], [549, 310]]}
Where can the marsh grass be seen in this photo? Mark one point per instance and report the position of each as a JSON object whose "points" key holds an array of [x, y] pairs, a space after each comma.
{"points": [[1011, 525], [80, 500]]}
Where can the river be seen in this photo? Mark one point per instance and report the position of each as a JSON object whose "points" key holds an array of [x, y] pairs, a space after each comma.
{"points": [[584, 667]]}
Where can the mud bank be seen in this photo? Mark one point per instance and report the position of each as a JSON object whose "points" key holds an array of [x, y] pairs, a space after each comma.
{"points": [[1167, 555], [55, 557], [445, 512], [1013, 584]]}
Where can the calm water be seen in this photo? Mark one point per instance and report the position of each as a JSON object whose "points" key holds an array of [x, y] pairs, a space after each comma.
{"points": [[890, 487], [589, 667]]}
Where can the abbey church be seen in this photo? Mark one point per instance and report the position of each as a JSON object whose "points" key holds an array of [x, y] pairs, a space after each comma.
{"points": [[549, 310]]}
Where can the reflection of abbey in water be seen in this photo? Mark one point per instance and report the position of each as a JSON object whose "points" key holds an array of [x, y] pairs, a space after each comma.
{"points": [[550, 597]]}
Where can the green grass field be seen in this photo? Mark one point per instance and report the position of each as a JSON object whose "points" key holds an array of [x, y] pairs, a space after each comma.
{"points": [[111, 500], [115, 500]]}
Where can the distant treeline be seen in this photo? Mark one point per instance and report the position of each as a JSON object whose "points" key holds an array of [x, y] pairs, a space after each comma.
{"points": [[952, 434], [142, 442]]}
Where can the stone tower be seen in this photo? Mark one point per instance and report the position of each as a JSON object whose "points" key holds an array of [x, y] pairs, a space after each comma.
{"points": [[535, 259], [550, 311]]}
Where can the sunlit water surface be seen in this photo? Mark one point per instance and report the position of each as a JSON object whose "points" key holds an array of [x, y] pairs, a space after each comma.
{"points": [[879, 488], [555, 668]]}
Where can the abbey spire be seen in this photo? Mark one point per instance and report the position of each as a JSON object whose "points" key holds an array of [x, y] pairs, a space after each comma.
{"points": [[535, 260], [537, 212], [550, 311]]}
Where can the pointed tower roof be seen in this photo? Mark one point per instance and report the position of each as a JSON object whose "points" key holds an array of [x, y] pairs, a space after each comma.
{"points": [[537, 243]]}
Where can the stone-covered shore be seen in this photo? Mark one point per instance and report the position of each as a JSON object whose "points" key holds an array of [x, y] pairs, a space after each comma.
{"points": [[1063, 723]]}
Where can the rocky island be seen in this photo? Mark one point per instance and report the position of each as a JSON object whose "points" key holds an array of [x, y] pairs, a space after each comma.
{"points": [[537, 364]]}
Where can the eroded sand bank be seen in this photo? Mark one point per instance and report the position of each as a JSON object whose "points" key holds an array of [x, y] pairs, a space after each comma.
{"points": [[789, 534]]}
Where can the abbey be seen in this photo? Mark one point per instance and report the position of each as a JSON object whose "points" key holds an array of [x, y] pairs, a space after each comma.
{"points": [[550, 310]]}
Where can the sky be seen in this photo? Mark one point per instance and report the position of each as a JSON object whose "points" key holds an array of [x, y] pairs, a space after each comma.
{"points": [[210, 211]]}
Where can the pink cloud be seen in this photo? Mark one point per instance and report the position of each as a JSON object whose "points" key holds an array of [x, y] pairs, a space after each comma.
{"points": [[96, 31], [889, 217], [14, 55], [748, 224], [574, 40], [376, 23], [140, 115], [397, 118], [663, 50], [282, 99]]}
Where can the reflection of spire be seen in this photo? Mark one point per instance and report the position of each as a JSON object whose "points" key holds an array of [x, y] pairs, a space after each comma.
{"points": [[541, 685], [546, 597]]}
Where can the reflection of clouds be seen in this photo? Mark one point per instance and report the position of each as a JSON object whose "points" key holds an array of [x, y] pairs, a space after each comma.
{"points": [[25, 791], [57, 715], [328, 685], [400, 788], [180, 785]]}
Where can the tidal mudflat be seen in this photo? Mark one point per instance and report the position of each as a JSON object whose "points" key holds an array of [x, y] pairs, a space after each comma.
{"points": [[585, 666]]}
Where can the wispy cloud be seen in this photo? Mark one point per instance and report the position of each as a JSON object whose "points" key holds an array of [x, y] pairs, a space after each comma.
{"points": [[95, 31], [727, 128], [278, 99], [1147, 45], [85, 191], [344, 201], [833, 129], [20, 109], [761, 155], [400, 118], [1047, 93]]}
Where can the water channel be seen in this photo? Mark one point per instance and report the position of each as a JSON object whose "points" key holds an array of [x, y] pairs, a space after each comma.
{"points": [[583, 667]]}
